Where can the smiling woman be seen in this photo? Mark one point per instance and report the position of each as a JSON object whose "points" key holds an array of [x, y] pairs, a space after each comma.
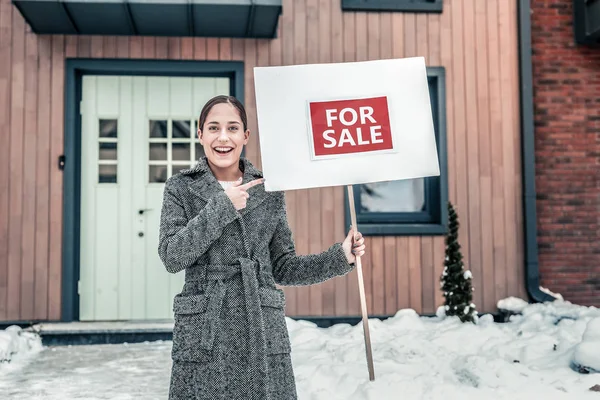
{"points": [[232, 238], [223, 132]]}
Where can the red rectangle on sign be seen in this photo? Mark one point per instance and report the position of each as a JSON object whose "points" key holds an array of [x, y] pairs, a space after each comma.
{"points": [[350, 126]]}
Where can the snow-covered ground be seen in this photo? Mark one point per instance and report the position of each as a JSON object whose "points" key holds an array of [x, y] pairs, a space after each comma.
{"points": [[531, 357]]}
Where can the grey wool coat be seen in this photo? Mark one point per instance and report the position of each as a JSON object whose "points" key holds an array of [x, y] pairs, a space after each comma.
{"points": [[230, 339]]}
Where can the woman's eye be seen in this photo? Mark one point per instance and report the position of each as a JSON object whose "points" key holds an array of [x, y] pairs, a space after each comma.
{"points": [[233, 128], [212, 128]]}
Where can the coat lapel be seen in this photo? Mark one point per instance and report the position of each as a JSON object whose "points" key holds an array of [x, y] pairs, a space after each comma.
{"points": [[257, 193], [205, 185]]}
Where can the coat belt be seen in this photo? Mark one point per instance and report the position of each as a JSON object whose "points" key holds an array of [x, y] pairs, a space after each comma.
{"points": [[256, 333]]}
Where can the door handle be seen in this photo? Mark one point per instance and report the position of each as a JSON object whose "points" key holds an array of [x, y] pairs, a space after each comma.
{"points": [[142, 210]]}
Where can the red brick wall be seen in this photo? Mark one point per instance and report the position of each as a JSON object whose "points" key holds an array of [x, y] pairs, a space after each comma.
{"points": [[566, 79]]}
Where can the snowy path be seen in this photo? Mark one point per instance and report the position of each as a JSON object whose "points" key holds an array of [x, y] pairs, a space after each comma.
{"points": [[116, 372], [415, 358]]}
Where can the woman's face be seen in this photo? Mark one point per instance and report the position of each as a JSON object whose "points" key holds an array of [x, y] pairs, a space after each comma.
{"points": [[223, 136]]}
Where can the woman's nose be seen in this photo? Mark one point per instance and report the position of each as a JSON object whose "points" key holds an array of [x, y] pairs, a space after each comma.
{"points": [[223, 135]]}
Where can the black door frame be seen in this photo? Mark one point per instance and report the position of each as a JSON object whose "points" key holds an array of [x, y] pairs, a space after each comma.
{"points": [[75, 69]]}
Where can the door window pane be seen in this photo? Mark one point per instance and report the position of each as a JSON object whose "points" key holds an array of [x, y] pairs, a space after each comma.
{"points": [[158, 129], [107, 151], [181, 129], [158, 151], [395, 196], [108, 128], [107, 173], [181, 151], [157, 174]]}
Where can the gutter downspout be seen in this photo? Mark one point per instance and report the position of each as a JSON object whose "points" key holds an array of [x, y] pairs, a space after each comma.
{"points": [[532, 272]]}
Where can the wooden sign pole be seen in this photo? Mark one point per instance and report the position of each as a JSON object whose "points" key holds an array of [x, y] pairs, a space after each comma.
{"points": [[361, 288]]}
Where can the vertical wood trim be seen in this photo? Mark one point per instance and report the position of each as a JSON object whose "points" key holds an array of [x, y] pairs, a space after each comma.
{"points": [[15, 226], [249, 100], [5, 139], [225, 49], [187, 48], [97, 46], [388, 243], [472, 138], [374, 272], [495, 56], [237, 49], [61, 47], [426, 266], [402, 273], [462, 202], [446, 55], [349, 54], [428, 288], [437, 242], [110, 47], [199, 48], [148, 47], [136, 47], [123, 43], [29, 166], [162, 48], [212, 48], [84, 44], [262, 60], [510, 216], [519, 265], [485, 158], [327, 198], [174, 48], [302, 210], [413, 256], [287, 58]]}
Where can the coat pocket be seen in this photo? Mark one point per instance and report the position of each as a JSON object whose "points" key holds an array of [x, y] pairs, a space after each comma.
{"points": [[272, 302], [192, 329]]}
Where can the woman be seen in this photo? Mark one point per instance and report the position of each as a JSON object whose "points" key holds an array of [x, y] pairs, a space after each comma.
{"points": [[232, 238]]}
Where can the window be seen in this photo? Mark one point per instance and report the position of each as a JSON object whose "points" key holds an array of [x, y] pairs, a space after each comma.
{"points": [[393, 5], [173, 146], [107, 150], [414, 206], [586, 22]]}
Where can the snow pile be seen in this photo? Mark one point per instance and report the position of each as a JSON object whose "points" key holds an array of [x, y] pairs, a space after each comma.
{"points": [[14, 342], [587, 354], [441, 358], [512, 304]]}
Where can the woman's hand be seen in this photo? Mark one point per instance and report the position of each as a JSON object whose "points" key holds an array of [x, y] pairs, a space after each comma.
{"points": [[238, 193], [353, 245]]}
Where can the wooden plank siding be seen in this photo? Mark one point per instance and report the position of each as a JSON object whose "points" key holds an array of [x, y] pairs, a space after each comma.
{"points": [[475, 41]]}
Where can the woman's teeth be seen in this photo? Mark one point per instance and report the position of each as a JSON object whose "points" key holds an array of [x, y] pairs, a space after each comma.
{"points": [[223, 150]]}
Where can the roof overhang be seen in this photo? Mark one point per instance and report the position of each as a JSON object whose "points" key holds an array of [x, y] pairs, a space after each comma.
{"points": [[209, 18], [586, 21]]}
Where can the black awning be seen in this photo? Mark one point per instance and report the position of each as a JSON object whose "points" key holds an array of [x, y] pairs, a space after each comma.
{"points": [[209, 18]]}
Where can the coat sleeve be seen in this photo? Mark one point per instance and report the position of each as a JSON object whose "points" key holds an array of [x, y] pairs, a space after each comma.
{"points": [[290, 269], [182, 241]]}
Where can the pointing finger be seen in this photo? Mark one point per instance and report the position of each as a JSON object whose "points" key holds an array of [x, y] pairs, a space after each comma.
{"points": [[250, 184]]}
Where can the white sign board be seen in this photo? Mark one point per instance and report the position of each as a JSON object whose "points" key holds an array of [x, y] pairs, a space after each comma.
{"points": [[344, 123]]}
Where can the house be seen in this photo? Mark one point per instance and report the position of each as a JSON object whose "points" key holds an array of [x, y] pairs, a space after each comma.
{"points": [[99, 105]]}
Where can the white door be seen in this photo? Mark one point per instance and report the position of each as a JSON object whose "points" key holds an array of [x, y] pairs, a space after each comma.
{"points": [[136, 132]]}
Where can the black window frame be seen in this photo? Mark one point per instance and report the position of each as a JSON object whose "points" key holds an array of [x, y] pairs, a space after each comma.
{"points": [[433, 219], [429, 6]]}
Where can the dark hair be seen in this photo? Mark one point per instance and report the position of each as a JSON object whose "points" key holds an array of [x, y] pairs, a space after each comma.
{"points": [[223, 99]]}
